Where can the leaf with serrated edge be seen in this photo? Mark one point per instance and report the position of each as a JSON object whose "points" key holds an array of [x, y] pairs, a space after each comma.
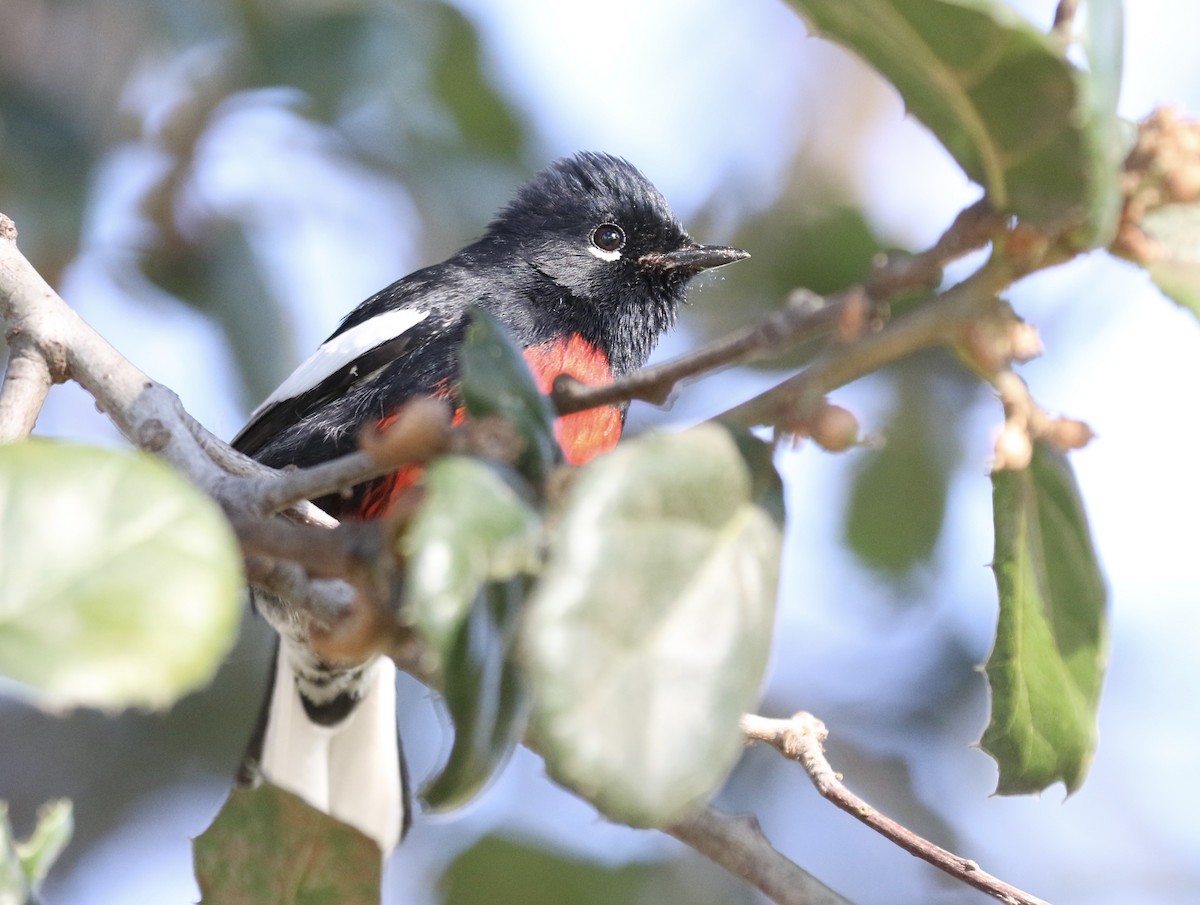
{"points": [[1051, 648], [268, 845], [120, 582], [997, 92], [647, 636]]}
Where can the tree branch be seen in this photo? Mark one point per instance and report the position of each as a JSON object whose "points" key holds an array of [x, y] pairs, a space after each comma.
{"points": [[737, 844], [323, 576], [806, 316], [149, 415], [937, 322], [1064, 19], [945, 320], [801, 739], [27, 381]]}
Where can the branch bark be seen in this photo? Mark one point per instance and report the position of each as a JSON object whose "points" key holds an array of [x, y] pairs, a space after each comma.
{"points": [[737, 844], [27, 382], [847, 315], [802, 738], [322, 575]]}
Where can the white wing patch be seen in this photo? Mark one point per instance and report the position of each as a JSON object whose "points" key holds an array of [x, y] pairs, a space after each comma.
{"points": [[341, 350]]}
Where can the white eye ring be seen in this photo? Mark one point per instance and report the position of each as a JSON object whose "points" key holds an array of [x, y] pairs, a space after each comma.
{"points": [[607, 241]]}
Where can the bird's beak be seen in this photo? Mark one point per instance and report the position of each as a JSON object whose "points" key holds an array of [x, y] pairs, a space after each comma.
{"points": [[695, 258]]}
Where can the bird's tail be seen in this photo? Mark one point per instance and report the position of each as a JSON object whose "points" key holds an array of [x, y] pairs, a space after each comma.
{"points": [[331, 738]]}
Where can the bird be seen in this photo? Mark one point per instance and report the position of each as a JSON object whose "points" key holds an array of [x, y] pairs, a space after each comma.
{"points": [[586, 268]]}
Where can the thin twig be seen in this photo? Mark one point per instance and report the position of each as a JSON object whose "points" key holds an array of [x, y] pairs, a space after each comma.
{"points": [[895, 274], [781, 330], [737, 844], [937, 322], [806, 317], [420, 432], [801, 739], [1064, 19]]}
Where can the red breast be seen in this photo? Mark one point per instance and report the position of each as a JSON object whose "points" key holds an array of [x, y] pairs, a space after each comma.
{"points": [[582, 435]]}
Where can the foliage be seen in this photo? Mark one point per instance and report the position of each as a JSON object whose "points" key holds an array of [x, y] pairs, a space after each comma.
{"points": [[120, 583], [1051, 644], [24, 865], [267, 845], [619, 614]]}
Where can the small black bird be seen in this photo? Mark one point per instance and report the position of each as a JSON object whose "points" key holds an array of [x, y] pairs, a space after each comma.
{"points": [[586, 268]]}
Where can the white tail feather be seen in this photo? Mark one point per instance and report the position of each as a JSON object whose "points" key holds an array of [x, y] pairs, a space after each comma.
{"points": [[350, 770]]}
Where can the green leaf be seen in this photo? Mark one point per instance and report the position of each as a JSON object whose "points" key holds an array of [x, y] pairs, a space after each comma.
{"points": [[469, 550], [647, 636], [473, 526], [55, 824], [223, 278], [497, 382], [1104, 44], [268, 845], [897, 503], [824, 249], [14, 885], [312, 49], [120, 582], [486, 695], [24, 865], [1175, 229], [1048, 662], [484, 120], [997, 92], [517, 873]]}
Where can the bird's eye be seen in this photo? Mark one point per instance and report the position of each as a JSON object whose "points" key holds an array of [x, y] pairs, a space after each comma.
{"points": [[608, 237]]}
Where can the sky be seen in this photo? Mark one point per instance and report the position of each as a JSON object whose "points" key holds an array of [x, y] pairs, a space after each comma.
{"points": [[667, 85]]}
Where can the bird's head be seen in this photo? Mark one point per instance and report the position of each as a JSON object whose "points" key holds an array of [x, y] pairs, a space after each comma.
{"points": [[596, 227]]}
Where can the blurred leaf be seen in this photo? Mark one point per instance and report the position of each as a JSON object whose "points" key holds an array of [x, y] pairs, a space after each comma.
{"points": [[14, 885], [55, 824], [823, 251], [647, 636], [426, 113], [485, 694], [1175, 228], [47, 156], [268, 845], [310, 48], [1051, 647], [24, 865], [470, 546], [120, 583], [484, 120], [497, 382], [473, 526], [222, 278], [997, 92], [1104, 43], [898, 500], [516, 873]]}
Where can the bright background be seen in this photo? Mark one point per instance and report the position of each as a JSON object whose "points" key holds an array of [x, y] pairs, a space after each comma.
{"points": [[150, 139]]}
